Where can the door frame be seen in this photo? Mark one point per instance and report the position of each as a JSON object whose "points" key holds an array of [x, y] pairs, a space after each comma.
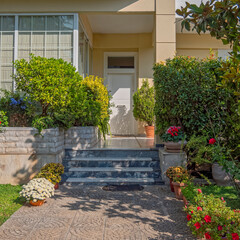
{"points": [[122, 71]]}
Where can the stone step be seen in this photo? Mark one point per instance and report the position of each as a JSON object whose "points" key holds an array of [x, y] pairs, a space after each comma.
{"points": [[111, 162], [109, 153], [109, 169], [114, 159], [114, 174], [105, 181]]}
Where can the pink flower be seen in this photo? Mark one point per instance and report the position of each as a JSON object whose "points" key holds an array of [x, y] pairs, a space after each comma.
{"points": [[207, 218], [197, 225], [220, 228], [199, 208], [207, 235], [235, 236], [212, 141], [199, 191]]}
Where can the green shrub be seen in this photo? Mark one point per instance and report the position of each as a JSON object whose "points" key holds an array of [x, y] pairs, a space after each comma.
{"points": [[143, 104], [52, 172], [102, 97], [20, 110], [41, 123], [47, 81], [3, 120], [186, 94]]}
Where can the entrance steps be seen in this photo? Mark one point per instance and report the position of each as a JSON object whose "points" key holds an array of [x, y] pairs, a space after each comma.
{"points": [[112, 166]]}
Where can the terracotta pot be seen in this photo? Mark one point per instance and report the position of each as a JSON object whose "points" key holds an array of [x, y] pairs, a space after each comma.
{"points": [[149, 131], [219, 175], [171, 185], [174, 147], [56, 186], [177, 189], [38, 203]]}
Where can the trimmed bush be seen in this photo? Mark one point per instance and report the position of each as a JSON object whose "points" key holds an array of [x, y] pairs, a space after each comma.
{"points": [[143, 104], [186, 94]]}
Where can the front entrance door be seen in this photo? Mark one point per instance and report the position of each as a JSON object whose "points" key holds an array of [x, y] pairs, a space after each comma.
{"points": [[120, 73]]}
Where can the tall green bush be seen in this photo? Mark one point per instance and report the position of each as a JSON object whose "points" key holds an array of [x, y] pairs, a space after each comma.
{"points": [[143, 104], [186, 94]]}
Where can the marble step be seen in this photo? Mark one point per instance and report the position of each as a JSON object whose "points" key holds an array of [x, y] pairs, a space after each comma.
{"points": [[110, 159], [114, 174], [115, 153], [111, 180], [111, 162], [109, 169]]}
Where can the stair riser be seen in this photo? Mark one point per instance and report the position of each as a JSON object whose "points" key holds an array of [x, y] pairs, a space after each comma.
{"points": [[115, 183], [152, 164], [114, 174], [110, 153]]}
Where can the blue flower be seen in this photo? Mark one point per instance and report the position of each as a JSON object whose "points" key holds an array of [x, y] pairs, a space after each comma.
{"points": [[13, 101], [23, 107]]}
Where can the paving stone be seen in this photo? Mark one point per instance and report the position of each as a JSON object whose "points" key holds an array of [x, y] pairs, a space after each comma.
{"points": [[89, 213]]}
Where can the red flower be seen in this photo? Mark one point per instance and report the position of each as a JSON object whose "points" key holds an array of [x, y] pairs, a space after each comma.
{"points": [[207, 218], [207, 235], [199, 208], [199, 191], [197, 225], [212, 141], [220, 228], [191, 212], [235, 236], [189, 217], [176, 134]]}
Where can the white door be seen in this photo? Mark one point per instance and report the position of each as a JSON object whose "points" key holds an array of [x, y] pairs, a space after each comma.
{"points": [[121, 84]]}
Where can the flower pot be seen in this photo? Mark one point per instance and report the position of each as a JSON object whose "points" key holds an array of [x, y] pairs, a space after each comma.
{"points": [[177, 189], [56, 186], [219, 175], [174, 147], [37, 203], [149, 131], [171, 185]]}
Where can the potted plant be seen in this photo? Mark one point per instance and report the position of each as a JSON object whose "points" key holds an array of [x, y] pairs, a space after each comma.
{"points": [[143, 107], [52, 172], [37, 190], [171, 172], [180, 180], [174, 139]]}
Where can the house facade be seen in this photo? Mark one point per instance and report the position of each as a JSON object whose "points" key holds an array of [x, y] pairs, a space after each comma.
{"points": [[119, 40]]}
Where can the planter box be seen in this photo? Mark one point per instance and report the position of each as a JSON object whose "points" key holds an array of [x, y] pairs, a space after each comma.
{"points": [[80, 138], [22, 153], [170, 160]]}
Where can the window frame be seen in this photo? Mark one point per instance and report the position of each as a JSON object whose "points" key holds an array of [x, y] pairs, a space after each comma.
{"points": [[16, 34]]}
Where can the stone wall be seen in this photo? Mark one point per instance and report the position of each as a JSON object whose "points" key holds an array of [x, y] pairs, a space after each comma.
{"points": [[23, 153], [81, 138]]}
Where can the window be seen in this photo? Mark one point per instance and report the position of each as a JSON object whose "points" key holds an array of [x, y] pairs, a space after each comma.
{"points": [[120, 62], [6, 51], [43, 35]]}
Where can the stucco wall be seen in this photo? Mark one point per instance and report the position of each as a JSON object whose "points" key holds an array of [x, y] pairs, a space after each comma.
{"points": [[77, 6], [197, 45]]}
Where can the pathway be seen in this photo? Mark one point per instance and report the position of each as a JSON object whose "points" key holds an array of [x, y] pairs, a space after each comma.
{"points": [[89, 213]]}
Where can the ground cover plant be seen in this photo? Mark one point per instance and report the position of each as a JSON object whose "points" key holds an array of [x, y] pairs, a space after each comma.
{"points": [[9, 201]]}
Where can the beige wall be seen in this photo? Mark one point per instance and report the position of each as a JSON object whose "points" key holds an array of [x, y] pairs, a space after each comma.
{"points": [[141, 43], [197, 45], [34, 6]]}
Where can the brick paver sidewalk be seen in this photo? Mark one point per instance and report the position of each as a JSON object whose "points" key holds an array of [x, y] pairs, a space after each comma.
{"points": [[89, 213]]}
